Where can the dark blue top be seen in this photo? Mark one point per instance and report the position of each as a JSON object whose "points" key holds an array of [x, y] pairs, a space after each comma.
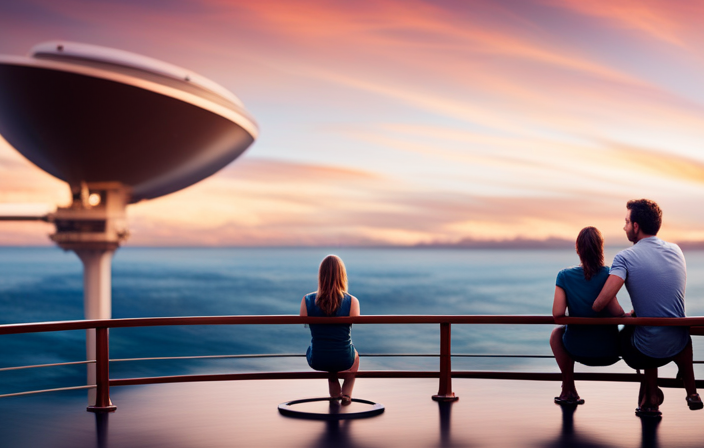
{"points": [[587, 340], [331, 346]]}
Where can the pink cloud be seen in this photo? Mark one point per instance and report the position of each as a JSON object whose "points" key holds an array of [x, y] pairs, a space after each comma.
{"points": [[279, 171]]}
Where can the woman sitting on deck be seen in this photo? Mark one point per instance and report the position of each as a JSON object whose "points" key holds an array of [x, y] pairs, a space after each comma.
{"points": [[576, 289], [331, 348]]}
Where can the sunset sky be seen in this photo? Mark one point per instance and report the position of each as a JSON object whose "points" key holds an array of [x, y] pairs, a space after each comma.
{"points": [[407, 122]]}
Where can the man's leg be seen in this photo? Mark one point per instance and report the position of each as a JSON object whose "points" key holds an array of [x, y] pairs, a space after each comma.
{"points": [[685, 365], [649, 395], [565, 362], [684, 362], [651, 398]]}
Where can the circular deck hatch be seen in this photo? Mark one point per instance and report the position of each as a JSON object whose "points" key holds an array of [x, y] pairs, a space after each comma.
{"points": [[327, 408]]}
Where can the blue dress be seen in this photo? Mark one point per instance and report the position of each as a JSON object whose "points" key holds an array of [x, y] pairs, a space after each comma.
{"points": [[331, 348], [598, 342]]}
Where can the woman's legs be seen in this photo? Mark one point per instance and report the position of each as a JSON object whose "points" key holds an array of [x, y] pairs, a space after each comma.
{"points": [[349, 376], [565, 362], [333, 385]]}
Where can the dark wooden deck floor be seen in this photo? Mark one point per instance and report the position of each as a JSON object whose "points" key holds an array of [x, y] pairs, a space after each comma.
{"points": [[490, 413]]}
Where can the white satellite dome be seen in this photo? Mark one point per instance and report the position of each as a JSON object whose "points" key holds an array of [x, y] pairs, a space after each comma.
{"points": [[88, 114]]}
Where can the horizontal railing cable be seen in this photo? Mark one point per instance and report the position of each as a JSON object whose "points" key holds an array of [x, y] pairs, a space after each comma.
{"points": [[58, 364], [167, 358], [58, 389], [363, 355], [301, 355]]}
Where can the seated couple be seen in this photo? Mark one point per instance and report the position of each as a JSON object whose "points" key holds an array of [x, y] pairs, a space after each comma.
{"points": [[654, 273]]}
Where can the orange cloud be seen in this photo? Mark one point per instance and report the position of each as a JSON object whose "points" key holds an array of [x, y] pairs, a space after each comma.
{"points": [[409, 219], [279, 203], [657, 163], [23, 182], [298, 209]]}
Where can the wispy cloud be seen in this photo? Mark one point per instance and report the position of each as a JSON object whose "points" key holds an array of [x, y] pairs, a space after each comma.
{"points": [[660, 19], [279, 171], [351, 212]]}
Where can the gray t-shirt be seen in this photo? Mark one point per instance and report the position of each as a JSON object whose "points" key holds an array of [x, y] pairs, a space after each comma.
{"points": [[655, 274]]}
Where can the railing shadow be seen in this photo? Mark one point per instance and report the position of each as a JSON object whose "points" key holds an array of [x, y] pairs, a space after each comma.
{"points": [[650, 432], [101, 429], [445, 411], [569, 437], [336, 434]]}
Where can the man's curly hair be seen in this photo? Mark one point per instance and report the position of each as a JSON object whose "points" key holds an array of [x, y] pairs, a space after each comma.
{"points": [[647, 214]]}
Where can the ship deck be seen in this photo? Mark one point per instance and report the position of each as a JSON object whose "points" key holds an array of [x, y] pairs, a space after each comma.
{"points": [[489, 413]]}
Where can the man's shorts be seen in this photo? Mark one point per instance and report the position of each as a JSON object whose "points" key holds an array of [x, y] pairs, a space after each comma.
{"points": [[634, 357]]}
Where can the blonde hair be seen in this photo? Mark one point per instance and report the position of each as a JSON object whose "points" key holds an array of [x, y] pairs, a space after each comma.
{"points": [[332, 284]]}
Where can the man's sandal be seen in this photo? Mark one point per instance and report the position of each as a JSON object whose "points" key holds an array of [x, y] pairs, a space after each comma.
{"points": [[694, 402], [570, 401], [648, 411]]}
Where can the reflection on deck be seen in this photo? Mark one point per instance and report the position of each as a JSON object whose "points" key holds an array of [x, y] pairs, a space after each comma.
{"points": [[489, 413]]}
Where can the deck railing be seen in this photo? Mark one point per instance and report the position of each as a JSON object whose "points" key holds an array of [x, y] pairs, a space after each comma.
{"points": [[444, 373]]}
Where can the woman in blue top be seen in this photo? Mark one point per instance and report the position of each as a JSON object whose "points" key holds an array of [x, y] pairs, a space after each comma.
{"points": [[331, 348], [575, 290]]}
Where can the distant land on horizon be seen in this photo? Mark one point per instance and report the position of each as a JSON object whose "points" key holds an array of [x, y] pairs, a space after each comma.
{"points": [[527, 243], [515, 243], [467, 243]]}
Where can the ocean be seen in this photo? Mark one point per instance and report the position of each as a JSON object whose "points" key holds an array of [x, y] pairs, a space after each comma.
{"points": [[45, 284]]}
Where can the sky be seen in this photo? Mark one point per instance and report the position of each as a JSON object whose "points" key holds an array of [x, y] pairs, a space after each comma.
{"points": [[405, 122]]}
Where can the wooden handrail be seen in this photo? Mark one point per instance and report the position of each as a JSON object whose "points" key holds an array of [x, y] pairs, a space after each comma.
{"points": [[380, 319]]}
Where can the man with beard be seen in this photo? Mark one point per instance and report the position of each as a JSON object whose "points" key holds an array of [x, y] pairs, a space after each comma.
{"points": [[655, 274]]}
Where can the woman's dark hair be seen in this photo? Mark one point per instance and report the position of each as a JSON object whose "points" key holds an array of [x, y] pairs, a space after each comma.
{"points": [[332, 284], [590, 248], [647, 214]]}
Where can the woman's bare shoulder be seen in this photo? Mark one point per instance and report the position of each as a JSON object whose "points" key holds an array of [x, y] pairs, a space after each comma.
{"points": [[355, 309]]}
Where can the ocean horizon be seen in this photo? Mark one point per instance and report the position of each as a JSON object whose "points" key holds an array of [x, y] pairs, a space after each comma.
{"points": [[45, 284]]}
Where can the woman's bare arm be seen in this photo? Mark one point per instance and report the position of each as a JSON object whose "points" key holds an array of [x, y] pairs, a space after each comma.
{"points": [[304, 310], [559, 303], [614, 308]]}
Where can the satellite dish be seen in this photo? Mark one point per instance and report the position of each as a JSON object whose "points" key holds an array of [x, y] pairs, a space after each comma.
{"points": [[88, 114], [118, 128]]}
